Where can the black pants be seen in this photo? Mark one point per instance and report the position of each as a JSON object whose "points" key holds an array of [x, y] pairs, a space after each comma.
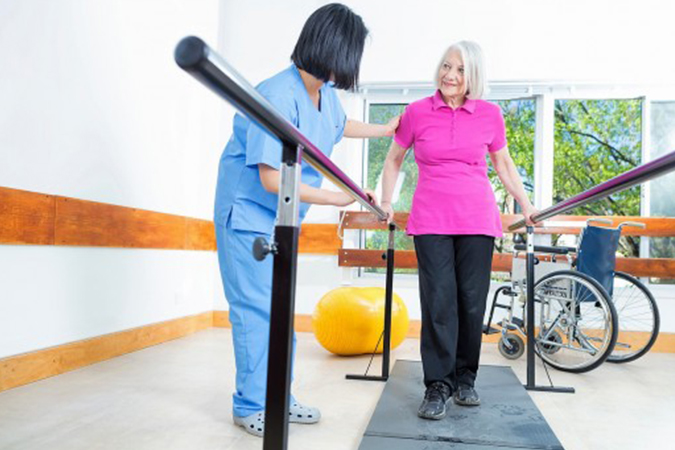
{"points": [[454, 274]]}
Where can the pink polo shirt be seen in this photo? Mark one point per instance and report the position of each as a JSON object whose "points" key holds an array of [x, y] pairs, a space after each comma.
{"points": [[453, 194]]}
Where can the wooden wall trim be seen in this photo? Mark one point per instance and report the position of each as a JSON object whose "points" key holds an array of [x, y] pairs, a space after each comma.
{"points": [[303, 323], [93, 224], [26, 218], [29, 367], [38, 219], [31, 218], [319, 238]]}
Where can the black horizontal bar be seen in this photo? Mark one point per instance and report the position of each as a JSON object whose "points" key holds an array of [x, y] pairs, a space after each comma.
{"points": [[640, 174]]}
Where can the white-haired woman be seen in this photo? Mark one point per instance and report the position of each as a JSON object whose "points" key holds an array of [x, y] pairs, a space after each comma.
{"points": [[454, 218]]}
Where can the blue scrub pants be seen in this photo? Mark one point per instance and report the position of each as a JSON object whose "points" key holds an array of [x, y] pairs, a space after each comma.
{"points": [[248, 290]]}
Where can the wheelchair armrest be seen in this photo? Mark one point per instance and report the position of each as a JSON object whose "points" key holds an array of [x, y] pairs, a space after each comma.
{"points": [[547, 249]]}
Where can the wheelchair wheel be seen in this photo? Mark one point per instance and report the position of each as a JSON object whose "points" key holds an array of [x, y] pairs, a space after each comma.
{"points": [[638, 316], [577, 309], [511, 346]]}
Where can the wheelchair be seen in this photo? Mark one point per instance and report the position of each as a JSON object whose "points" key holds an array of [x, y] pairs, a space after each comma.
{"points": [[585, 311]]}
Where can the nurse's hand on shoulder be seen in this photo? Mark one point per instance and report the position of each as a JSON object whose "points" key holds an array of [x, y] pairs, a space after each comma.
{"points": [[392, 125]]}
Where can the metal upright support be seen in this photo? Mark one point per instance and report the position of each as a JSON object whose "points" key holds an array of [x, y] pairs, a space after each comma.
{"points": [[286, 234], [388, 303], [530, 385], [389, 295], [530, 306]]}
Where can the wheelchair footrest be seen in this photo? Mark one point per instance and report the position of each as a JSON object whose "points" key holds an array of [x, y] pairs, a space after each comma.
{"points": [[490, 330], [515, 323]]}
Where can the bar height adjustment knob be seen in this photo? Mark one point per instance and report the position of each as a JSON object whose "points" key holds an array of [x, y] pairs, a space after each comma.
{"points": [[261, 248]]}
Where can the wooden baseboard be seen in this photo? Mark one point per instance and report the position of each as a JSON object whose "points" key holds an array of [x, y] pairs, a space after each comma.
{"points": [[34, 366], [303, 323], [29, 367]]}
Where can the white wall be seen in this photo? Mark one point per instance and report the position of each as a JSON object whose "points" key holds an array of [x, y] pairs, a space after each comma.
{"points": [[576, 40], [92, 106]]}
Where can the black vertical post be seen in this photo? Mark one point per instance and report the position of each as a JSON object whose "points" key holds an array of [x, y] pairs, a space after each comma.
{"points": [[388, 303], [530, 307], [530, 384], [280, 356]]}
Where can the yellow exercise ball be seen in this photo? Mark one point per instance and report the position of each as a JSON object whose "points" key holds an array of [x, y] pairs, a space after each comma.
{"points": [[350, 320]]}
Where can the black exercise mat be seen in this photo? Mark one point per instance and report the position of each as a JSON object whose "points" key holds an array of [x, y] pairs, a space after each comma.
{"points": [[506, 418]]}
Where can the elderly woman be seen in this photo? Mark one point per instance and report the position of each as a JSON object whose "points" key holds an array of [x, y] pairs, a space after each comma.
{"points": [[454, 218]]}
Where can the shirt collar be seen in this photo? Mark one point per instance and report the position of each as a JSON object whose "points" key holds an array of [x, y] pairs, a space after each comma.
{"points": [[437, 103], [298, 78]]}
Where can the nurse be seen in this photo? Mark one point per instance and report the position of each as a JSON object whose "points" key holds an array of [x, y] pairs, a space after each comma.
{"points": [[327, 56]]}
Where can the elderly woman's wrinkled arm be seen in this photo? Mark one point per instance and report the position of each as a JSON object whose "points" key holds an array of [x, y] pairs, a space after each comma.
{"points": [[392, 168]]}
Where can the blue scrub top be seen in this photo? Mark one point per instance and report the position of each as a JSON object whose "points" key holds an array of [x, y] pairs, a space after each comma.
{"points": [[239, 192]]}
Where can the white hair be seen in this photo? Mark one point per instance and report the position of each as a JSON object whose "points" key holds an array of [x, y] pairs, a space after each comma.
{"points": [[474, 68]]}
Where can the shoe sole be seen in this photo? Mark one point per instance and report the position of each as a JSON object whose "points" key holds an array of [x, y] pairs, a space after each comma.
{"points": [[304, 421], [429, 417], [253, 431], [248, 430], [462, 403]]}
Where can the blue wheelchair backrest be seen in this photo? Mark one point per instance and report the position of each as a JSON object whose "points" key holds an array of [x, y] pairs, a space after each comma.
{"points": [[596, 256]]}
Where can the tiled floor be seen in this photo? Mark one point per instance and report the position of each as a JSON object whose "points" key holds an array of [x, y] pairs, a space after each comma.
{"points": [[178, 396]]}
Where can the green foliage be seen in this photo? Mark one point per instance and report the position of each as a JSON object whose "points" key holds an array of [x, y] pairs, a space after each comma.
{"points": [[596, 140]]}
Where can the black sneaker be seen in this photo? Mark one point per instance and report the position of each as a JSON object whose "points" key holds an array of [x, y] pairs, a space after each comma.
{"points": [[466, 396], [435, 398]]}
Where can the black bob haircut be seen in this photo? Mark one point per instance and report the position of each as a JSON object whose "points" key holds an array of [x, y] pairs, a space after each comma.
{"points": [[331, 45]]}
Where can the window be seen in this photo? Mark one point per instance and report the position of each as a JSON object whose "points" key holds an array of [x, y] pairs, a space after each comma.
{"points": [[662, 203], [596, 140], [590, 140]]}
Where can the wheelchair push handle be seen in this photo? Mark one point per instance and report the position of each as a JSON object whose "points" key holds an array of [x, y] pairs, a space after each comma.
{"points": [[621, 225], [599, 220], [632, 224]]}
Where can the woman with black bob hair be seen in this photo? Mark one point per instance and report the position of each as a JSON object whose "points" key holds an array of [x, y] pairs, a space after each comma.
{"points": [[331, 45], [326, 56]]}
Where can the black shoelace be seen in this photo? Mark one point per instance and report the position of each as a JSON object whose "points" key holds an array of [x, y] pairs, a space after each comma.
{"points": [[435, 392]]}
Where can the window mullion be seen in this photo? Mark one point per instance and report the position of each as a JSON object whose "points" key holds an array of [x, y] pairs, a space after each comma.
{"points": [[544, 138]]}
